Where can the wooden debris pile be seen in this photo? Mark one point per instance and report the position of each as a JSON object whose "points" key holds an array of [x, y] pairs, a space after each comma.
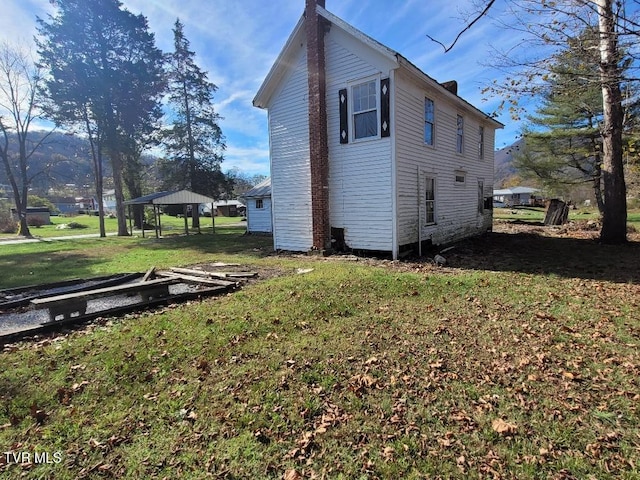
{"points": [[197, 276]]}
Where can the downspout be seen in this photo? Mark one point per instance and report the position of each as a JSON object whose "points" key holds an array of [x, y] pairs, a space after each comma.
{"points": [[394, 174], [419, 215]]}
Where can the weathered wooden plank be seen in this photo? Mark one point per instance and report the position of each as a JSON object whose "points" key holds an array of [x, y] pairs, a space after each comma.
{"points": [[195, 280], [130, 287], [190, 271], [213, 274], [149, 274], [234, 274]]}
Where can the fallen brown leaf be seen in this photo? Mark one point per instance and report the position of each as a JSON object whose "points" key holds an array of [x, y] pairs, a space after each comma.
{"points": [[504, 428]]}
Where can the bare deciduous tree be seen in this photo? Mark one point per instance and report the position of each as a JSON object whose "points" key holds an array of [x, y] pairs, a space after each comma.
{"points": [[19, 82]]}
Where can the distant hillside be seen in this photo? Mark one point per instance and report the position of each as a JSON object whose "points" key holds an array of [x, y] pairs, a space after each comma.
{"points": [[503, 163], [63, 159]]}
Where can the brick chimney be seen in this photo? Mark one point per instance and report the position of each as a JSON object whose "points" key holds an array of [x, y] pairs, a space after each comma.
{"points": [[318, 144]]}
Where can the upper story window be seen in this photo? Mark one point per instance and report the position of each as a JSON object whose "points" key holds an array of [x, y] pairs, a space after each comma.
{"points": [[365, 110], [460, 135], [481, 142], [429, 121]]}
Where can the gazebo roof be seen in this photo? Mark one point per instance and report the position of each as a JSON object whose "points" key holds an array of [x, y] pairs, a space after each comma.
{"points": [[179, 197]]}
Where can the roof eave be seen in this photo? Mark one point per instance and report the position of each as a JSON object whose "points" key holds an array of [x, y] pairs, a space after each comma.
{"points": [[278, 69], [416, 72], [353, 31]]}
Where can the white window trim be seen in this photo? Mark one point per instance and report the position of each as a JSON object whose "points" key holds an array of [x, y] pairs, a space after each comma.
{"points": [[461, 151], [350, 113], [424, 121], [427, 177], [459, 173]]}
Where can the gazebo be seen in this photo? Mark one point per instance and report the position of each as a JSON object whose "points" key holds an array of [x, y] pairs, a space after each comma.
{"points": [[179, 197]]}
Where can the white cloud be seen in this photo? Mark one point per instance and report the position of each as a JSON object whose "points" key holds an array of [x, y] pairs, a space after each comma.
{"points": [[252, 160], [236, 42]]}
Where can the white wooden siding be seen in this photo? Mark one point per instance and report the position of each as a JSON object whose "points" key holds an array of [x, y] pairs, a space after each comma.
{"points": [[360, 185], [259, 219], [456, 206], [290, 174]]}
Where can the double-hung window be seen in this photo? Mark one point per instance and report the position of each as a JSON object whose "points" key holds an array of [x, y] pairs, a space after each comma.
{"points": [[430, 201], [365, 110], [429, 121], [460, 135]]}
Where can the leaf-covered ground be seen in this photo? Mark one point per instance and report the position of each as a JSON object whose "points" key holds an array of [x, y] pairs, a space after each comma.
{"points": [[519, 359]]}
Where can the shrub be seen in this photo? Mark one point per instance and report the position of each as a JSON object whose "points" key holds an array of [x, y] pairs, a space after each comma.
{"points": [[76, 226], [35, 222], [8, 224]]}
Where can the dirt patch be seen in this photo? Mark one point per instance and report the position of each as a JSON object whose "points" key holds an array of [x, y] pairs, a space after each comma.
{"points": [[572, 250]]}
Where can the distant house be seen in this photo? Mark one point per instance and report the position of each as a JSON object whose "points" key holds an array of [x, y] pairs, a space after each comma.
{"points": [[516, 196], [259, 208], [64, 205], [229, 208], [88, 205], [109, 200], [367, 151]]}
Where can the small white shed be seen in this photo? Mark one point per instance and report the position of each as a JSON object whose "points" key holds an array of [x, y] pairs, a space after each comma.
{"points": [[259, 208]]}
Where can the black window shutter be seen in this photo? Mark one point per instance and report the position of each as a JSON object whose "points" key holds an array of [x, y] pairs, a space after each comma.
{"points": [[344, 118], [385, 124]]}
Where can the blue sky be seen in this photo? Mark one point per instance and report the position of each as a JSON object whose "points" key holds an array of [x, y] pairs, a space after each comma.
{"points": [[236, 42]]}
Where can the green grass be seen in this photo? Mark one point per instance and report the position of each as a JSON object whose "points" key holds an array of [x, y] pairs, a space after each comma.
{"points": [[49, 261], [354, 370], [170, 225], [536, 214]]}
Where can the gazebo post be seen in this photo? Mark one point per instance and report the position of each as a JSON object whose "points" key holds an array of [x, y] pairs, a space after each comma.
{"points": [[159, 221], [142, 220], [155, 221], [130, 220], [186, 220], [213, 220]]}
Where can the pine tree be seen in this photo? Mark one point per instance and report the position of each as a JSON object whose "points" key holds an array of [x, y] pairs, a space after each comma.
{"points": [[564, 139], [194, 142], [563, 143], [105, 75]]}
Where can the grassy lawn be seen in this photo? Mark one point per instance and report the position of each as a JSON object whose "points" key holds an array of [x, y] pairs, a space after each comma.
{"points": [[90, 225], [499, 366], [536, 214], [44, 262]]}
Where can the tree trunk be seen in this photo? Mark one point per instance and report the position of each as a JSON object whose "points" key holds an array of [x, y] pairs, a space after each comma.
{"points": [[614, 219], [195, 215], [557, 213], [21, 206], [133, 182], [116, 164], [597, 185], [96, 156]]}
